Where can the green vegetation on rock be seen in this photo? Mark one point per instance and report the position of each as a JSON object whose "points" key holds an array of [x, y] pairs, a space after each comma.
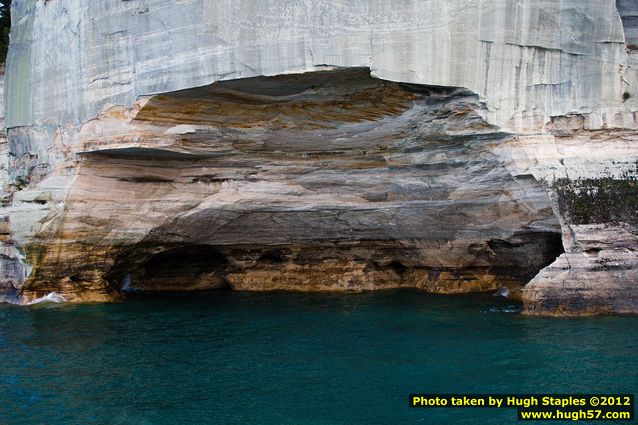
{"points": [[5, 26], [605, 200]]}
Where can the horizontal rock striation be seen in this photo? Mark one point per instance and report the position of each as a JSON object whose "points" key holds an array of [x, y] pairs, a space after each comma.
{"points": [[323, 181], [447, 146]]}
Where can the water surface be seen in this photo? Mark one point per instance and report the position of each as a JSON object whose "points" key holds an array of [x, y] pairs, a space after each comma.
{"points": [[282, 358]]}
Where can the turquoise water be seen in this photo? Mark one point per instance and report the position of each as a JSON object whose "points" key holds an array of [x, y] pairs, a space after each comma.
{"points": [[281, 358]]}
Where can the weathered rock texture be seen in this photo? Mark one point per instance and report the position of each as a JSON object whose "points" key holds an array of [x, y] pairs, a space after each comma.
{"points": [[322, 145], [591, 177], [628, 10], [323, 181]]}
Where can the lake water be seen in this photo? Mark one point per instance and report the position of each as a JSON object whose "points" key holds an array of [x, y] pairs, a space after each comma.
{"points": [[285, 358]]}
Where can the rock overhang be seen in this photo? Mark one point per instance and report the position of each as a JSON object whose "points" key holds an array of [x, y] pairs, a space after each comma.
{"points": [[491, 47], [360, 181]]}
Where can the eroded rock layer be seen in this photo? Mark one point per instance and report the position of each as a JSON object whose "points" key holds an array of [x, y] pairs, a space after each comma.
{"points": [[323, 181]]}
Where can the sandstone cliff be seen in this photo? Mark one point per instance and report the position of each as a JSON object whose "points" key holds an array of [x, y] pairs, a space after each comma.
{"points": [[326, 145]]}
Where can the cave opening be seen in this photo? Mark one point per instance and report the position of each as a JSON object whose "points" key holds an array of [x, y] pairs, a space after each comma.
{"points": [[328, 181], [176, 269]]}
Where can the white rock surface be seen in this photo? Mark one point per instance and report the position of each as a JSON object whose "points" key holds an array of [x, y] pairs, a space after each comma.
{"points": [[527, 59]]}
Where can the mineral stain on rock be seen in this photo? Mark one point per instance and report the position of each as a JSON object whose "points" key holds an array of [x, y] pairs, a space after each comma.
{"points": [[314, 182]]}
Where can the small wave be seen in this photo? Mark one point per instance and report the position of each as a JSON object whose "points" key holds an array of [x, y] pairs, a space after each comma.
{"points": [[502, 292], [126, 285], [52, 297], [504, 309]]}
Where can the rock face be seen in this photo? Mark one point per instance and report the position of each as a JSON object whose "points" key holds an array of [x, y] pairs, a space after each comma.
{"points": [[449, 146], [591, 177], [628, 10], [324, 181]]}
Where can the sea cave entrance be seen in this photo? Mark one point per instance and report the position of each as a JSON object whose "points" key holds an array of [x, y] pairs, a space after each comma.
{"points": [[328, 180]]}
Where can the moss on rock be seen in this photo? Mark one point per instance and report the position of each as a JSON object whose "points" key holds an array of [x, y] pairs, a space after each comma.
{"points": [[604, 200]]}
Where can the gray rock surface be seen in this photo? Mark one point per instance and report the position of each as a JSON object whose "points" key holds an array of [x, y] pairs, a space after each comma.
{"points": [[628, 10]]}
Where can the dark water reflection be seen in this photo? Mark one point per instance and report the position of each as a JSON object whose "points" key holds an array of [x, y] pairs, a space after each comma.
{"points": [[296, 358]]}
